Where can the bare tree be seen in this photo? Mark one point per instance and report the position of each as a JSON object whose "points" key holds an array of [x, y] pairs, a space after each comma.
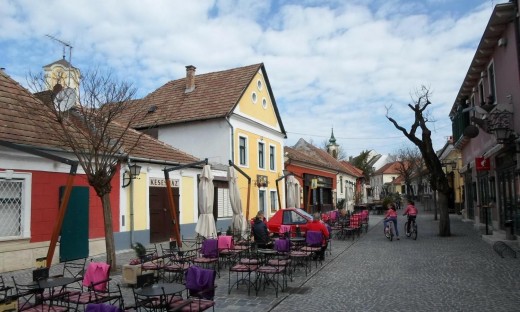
{"points": [[438, 180], [409, 160], [83, 122]]}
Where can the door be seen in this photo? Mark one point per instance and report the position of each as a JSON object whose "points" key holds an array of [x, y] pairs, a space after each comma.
{"points": [[161, 224], [74, 230]]}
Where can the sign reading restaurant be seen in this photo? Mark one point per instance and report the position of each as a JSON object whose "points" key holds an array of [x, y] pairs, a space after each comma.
{"points": [[161, 182]]}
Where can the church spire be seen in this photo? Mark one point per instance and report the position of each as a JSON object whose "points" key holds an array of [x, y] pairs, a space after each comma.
{"points": [[332, 147]]}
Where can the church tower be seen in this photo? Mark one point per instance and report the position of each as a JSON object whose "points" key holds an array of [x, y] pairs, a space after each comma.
{"points": [[61, 72], [332, 147]]}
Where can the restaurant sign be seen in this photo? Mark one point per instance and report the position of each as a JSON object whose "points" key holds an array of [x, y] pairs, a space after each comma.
{"points": [[161, 182]]}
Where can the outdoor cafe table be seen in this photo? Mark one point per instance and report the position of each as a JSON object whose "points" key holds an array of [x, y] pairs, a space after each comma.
{"points": [[161, 289], [54, 282]]}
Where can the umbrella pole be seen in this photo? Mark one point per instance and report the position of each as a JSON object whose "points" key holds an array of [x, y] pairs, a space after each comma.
{"points": [[173, 212]]}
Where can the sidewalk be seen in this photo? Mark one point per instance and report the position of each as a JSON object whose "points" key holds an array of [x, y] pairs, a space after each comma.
{"points": [[370, 273]]}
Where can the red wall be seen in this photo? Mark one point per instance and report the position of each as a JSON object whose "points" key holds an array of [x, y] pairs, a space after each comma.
{"points": [[45, 204], [301, 171]]}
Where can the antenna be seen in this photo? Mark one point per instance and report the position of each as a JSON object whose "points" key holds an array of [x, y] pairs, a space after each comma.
{"points": [[65, 45]]}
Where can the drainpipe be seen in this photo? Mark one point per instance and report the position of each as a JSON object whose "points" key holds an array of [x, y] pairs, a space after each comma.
{"points": [[131, 214], [232, 140]]}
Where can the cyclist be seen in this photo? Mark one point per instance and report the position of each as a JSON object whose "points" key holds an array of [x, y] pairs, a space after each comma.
{"points": [[391, 216], [411, 211]]}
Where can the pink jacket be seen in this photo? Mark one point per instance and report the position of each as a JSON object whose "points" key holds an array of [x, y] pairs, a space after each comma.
{"points": [[410, 210], [390, 213], [96, 272]]}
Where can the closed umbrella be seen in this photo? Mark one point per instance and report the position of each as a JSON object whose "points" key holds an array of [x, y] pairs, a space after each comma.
{"points": [[206, 223], [293, 192], [238, 221]]}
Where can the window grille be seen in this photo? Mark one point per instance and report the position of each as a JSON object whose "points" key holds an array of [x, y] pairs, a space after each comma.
{"points": [[11, 208]]}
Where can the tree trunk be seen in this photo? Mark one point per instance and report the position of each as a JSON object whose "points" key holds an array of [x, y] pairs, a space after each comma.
{"points": [[109, 231], [444, 221]]}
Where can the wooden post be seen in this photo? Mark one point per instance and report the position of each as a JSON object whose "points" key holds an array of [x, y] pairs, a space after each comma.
{"points": [[173, 213]]}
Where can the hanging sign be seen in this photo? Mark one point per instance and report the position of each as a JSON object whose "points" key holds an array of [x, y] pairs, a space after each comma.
{"points": [[314, 184], [482, 164]]}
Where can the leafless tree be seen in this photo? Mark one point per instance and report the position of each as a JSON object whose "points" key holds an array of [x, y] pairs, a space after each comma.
{"points": [[409, 160], [84, 122], [341, 154], [420, 135]]}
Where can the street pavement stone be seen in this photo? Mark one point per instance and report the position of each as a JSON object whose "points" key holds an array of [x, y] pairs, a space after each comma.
{"points": [[370, 273]]}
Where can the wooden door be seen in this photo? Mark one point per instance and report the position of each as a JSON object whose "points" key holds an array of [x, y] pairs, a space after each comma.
{"points": [[161, 224]]}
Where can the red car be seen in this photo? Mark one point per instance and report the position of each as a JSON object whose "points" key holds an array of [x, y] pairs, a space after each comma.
{"points": [[294, 217]]}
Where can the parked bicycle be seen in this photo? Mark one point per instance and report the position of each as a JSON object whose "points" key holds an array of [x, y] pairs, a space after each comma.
{"points": [[413, 229]]}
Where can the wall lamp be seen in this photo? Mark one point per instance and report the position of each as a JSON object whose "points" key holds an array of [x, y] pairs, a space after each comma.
{"points": [[131, 174], [500, 123]]}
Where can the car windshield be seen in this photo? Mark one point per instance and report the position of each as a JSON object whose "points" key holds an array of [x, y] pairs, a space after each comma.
{"points": [[304, 213]]}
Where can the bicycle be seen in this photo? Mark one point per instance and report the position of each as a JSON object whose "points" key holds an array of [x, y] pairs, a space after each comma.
{"points": [[413, 229], [389, 230]]}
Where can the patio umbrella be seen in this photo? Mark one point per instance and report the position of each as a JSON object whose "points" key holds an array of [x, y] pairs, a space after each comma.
{"points": [[293, 192], [238, 221], [206, 223]]}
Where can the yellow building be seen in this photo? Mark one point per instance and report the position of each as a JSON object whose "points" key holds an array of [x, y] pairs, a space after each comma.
{"points": [[223, 116]]}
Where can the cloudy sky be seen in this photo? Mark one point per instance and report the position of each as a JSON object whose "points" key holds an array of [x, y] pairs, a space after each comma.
{"points": [[332, 64]]}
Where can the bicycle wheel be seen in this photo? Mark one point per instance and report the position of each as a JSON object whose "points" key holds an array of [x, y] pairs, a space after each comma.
{"points": [[391, 230], [414, 231], [405, 229], [386, 230]]}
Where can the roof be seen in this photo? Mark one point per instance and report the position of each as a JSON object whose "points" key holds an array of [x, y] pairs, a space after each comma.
{"points": [[307, 153], [390, 168], [19, 125], [215, 95], [353, 170], [63, 62]]}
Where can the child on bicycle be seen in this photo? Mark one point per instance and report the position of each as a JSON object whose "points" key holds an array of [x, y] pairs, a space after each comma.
{"points": [[391, 216], [411, 211]]}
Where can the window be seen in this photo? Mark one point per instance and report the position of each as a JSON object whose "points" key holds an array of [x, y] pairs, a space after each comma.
{"points": [[261, 200], [274, 201], [254, 97], [242, 150], [291, 217], [224, 204], [15, 205], [261, 155], [481, 93], [259, 84], [491, 81], [264, 103], [272, 162]]}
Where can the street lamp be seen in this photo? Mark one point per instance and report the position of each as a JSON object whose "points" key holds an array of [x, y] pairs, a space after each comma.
{"points": [[133, 173]]}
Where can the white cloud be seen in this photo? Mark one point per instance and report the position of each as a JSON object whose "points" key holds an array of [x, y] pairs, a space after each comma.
{"points": [[330, 63]]}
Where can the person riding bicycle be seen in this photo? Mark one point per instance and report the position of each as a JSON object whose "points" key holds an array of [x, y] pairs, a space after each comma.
{"points": [[391, 216], [411, 211]]}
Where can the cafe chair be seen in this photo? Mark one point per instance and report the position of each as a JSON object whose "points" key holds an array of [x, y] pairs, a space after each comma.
{"points": [[30, 299], [5, 291], [226, 249], [243, 268], [209, 255], [175, 266], [73, 268], [200, 286], [313, 243], [285, 231], [95, 285]]}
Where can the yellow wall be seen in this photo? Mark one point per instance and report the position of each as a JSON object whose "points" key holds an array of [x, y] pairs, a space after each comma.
{"points": [[187, 200], [256, 110], [252, 170], [140, 203]]}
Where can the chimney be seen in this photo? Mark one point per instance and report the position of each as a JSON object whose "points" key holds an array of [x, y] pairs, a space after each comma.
{"points": [[190, 78]]}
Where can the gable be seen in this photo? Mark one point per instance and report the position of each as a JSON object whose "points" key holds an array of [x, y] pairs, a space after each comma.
{"points": [[256, 103]]}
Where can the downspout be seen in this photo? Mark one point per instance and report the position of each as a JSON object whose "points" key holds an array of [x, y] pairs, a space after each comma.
{"points": [[131, 215], [232, 140]]}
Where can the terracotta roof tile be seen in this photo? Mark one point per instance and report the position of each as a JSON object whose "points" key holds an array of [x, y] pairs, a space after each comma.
{"points": [[215, 95], [19, 126]]}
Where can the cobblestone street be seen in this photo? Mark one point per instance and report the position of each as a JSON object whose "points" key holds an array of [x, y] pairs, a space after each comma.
{"points": [[370, 273]]}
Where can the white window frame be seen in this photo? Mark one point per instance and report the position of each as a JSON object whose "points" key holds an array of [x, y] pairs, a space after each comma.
{"points": [[26, 178], [272, 160], [261, 158], [246, 157], [273, 200], [264, 206]]}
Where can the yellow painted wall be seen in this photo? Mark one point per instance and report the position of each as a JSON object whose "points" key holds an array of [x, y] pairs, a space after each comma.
{"points": [[256, 110], [140, 203], [187, 200], [252, 170]]}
